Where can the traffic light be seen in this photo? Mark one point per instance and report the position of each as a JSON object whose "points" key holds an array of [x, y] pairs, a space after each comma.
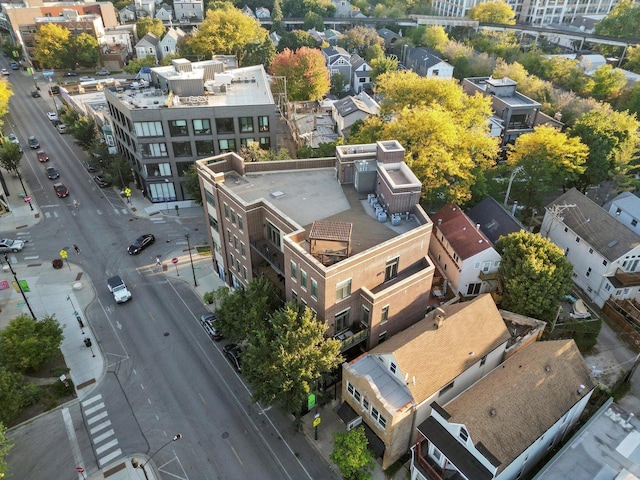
{"points": [[87, 342]]}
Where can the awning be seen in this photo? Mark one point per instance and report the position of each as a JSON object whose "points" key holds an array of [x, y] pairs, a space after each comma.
{"points": [[347, 414]]}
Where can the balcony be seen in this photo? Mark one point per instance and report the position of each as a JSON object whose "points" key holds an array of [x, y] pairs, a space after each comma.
{"points": [[349, 338]]}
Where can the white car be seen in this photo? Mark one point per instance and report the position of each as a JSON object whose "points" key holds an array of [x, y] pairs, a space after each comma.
{"points": [[53, 116], [12, 138], [5, 71], [87, 79], [8, 245]]}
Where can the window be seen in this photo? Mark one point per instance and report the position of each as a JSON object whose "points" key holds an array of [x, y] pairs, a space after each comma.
{"points": [[245, 273], [365, 316], [343, 290], [214, 223], [233, 260], [263, 123], [382, 337], [235, 242], [464, 435], [588, 271], [243, 250], [274, 234], [153, 150], [303, 279], [483, 360], [210, 198], [591, 250], [148, 129], [265, 143], [393, 367], [294, 296], [240, 225], [182, 149], [204, 147], [202, 126], [314, 289], [391, 271], [246, 124], [233, 216], [178, 128], [634, 222], [294, 271], [566, 229], [350, 388], [229, 237], [342, 321], [474, 288], [245, 142], [226, 211], [446, 389], [225, 125], [618, 211], [378, 418], [227, 145], [384, 314], [486, 266], [577, 239], [604, 262], [607, 287], [365, 404]]}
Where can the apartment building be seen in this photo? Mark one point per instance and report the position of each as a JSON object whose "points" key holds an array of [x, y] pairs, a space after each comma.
{"points": [[188, 111], [345, 236]]}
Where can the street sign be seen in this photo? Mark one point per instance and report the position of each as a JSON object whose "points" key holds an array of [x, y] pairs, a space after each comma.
{"points": [[316, 421], [127, 192], [48, 73], [27, 198], [63, 253], [311, 401], [174, 260], [79, 469]]}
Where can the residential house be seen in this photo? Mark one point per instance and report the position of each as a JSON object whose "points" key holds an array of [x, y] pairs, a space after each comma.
{"points": [[188, 11], [585, 453], [350, 109], [149, 45], [604, 252], [503, 425], [169, 43], [275, 38], [332, 36], [145, 8], [391, 388], [248, 12], [127, 14], [263, 13], [494, 220], [516, 112], [165, 13], [117, 47], [360, 74], [463, 253], [332, 234], [626, 209], [338, 61], [389, 36], [345, 9], [426, 63]]}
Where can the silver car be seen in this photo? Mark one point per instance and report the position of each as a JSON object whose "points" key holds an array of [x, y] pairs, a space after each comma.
{"points": [[8, 245]]}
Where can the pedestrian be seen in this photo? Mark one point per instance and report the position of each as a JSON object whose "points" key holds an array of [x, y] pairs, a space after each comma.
{"points": [[76, 248], [75, 204], [158, 262]]}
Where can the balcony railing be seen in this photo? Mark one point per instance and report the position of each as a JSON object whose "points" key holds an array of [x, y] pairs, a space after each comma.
{"points": [[349, 339]]}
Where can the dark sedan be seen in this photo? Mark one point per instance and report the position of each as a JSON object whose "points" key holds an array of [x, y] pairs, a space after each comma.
{"points": [[61, 190], [101, 181], [233, 352], [141, 243]]}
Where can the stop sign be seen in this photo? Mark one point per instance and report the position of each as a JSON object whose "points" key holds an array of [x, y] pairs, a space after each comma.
{"points": [[27, 198], [79, 469], [174, 260]]}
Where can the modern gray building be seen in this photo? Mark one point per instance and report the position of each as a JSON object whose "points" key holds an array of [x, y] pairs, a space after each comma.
{"points": [[188, 111]]}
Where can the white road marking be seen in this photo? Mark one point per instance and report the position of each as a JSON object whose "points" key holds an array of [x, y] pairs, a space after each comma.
{"points": [[104, 436], [71, 433], [109, 457], [100, 416], [91, 400], [106, 446], [34, 257], [102, 426], [92, 410]]}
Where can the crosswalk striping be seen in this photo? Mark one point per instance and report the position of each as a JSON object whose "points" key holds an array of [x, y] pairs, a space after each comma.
{"points": [[113, 455], [106, 446], [105, 435], [91, 400], [94, 409], [103, 439], [93, 420], [102, 426]]}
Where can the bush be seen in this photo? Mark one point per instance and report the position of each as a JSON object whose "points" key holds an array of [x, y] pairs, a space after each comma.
{"points": [[57, 263]]}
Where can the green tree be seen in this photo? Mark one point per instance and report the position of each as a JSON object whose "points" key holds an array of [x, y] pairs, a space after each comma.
{"points": [[613, 144], [287, 356], [6, 92], [135, 65], [27, 345], [278, 25], [84, 132], [549, 159], [243, 312], [323, 150], [253, 153], [226, 31], [359, 39], [192, 184], [352, 455], [11, 400], [493, 12], [149, 25], [534, 273], [10, 156], [82, 50], [51, 44], [260, 53], [632, 61], [630, 100], [382, 65], [313, 20], [115, 166], [338, 83], [623, 21], [608, 83], [296, 39], [306, 73], [5, 446]]}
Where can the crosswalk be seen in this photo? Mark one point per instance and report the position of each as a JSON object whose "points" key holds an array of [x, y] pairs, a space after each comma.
{"points": [[115, 211], [102, 436]]}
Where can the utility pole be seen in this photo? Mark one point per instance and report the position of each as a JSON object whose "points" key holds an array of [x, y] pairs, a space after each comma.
{"points": [[15, 277], [555, 211]]}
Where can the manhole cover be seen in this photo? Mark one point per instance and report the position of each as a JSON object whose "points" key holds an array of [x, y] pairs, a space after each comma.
{"points": [[166, 334], [225, 435]]}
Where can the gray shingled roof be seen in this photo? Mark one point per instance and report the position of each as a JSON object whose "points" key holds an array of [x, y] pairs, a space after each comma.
{"points": [[493, 219], [588, 220]]}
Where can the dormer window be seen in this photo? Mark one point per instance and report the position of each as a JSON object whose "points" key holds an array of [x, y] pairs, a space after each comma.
{"points": [[464, 435], [393, 367]]}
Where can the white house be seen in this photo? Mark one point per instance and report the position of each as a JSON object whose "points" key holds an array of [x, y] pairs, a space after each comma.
{"points": [[509, 420], [165, 13], [604, 252], [169, 43], [146, 8], [463, 253], [148, 45], [360, 73], [626, 209], [127, 14], [263, 12], [426, 63], [347, 111]]}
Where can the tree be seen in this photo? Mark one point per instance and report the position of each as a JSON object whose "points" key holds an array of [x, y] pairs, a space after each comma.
{"points": [[338, 83], [11, 399], [260, 53], [296, 39], [351, 454], [382, 65], [6, 92], [608, 82], [278, 25], [27, 345], [549, 159], [358, 39], [253, 153], [613, 145], [242, 313], [434, 37], [82, 50], [5, 446], [226, 31], [51, 45], [10, 156], [313, 20], [622, 22], [135, 65], [632, 61], [192, 184], [286, 357], [306, 73], [84, 132], [534, 274], [116, 167], [493, 12], [149, 25]]}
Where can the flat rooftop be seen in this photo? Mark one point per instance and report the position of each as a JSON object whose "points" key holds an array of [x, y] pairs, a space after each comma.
{"points": [[306, 196]]}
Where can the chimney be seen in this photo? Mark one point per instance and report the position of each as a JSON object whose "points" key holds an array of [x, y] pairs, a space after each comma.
{"points": [[478, 227], [581, 389], [439, 318], [439, 221]]}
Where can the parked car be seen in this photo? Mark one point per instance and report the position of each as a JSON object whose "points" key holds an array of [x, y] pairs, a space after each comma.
{"points": [[53, 116], [208, 323], [42, 156], [61, 190], [33, 142], [35, 93], [54, 90], [71, 74], [5, 71], [12, 138], [141, 243], [90, 168], [87, 79], [8, 245], [101, 181], [61, 127], [14, 66], [103, 73], [52, 173], [233, 353]]}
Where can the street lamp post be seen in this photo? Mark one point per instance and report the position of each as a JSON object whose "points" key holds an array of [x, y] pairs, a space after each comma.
{"points": [[193, 270], [136, 463], [15, 277], [515, 171], [166, 196]]}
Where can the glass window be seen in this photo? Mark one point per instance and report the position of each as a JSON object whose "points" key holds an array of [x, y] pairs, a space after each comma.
{"points": [[294, 296], [342, 321], [294, 270], [148, 129], [178, 128], [314, 289], [240, 224], [153, 150], [384, 315], [204, 147], [210, 198], [202, 126], [391, 271], [214, 223], [156, 169], [245, 142], [303, 279], [243, 250], [343, 290], [229, 237], [162, 192], [265, 143], [233, 216], [227, 145], [246, 124], [182, 149], [225, 125], [366, 313], [263, 122], [245, 273], [226, 211], [182, 168]]}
